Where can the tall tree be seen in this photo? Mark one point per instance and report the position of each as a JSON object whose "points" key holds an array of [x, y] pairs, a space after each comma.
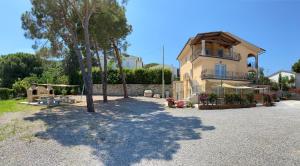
{"points": [[119, 32], [296, 67], [110, 29], [65, 23], [280, 81]]}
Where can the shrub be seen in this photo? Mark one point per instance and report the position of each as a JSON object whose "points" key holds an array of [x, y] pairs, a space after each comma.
{"points": [[229, 99], [20, 86], [203, 98], [237, 99], [267, 100], [73, 91], [212, 98], [64, 92], [189, 104], [137, 76], [171, 102], [180, 104], [6, 93], [250, 98], [233, 99]]}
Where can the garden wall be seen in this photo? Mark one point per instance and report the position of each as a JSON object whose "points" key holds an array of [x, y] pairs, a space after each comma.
{"points": [[133, 89]]}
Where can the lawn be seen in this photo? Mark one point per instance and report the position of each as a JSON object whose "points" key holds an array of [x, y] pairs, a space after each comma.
{"points": [[14, 106]]}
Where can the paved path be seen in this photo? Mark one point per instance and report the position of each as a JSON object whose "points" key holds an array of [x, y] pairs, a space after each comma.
{"points": [[140, 131]]}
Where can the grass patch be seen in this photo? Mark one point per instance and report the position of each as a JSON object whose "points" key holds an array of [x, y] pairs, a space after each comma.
{"points": [[22, 129], [14, 106]]}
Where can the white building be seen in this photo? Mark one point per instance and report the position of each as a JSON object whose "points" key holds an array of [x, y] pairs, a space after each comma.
{"points": [[128, 62], [274, 77], [132, 62]]}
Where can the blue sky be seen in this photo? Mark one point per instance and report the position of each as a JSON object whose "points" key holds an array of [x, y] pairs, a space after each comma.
{"points": [[271, 24]]}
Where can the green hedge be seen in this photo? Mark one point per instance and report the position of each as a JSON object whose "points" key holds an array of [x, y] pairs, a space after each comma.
{"points": [[6, 93], [138, 76]]}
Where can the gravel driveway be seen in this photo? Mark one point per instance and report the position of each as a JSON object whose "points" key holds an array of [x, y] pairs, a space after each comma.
{"points": [[141, 131]]}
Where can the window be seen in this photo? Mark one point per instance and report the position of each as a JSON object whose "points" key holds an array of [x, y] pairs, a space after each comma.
{"points": [[207, 51], [220, 71], [220, 52], [187, 58]]}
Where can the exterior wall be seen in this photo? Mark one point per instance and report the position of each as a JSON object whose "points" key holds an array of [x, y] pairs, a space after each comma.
{"points": [[298, 80], [186, 71], [130, 62], [275, 77], [133, 89], [244, 52], [194, 83]]}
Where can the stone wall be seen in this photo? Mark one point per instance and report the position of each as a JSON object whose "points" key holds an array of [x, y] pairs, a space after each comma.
{"points": [[133, 89]]}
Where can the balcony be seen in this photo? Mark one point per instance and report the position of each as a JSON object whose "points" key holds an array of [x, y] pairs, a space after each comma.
{"points": [[235, 56], [230, 75]]}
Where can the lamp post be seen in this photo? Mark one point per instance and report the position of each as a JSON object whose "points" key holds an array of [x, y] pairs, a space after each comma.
{"points": [[163, 73]]}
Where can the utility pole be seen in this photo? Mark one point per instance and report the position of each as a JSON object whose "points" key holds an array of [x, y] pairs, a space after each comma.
{"points": [[163, 73]]}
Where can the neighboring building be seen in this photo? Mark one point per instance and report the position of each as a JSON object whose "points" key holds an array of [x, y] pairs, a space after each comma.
{"points": [[274, 77], [132, 62], [170, 67], [128, 61], [212, 59]]}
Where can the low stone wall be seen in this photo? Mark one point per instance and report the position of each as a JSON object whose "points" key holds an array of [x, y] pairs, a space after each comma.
{"points": [[133, 89]]}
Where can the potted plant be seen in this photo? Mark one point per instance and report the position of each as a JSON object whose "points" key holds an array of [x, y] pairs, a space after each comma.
{"points": [[171, 102]]}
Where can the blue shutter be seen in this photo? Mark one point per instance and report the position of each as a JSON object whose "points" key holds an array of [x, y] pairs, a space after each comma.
{"points": [[217, 70], [223, 71]]}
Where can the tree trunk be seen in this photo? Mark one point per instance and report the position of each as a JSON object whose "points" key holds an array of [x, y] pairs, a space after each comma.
{"points": [[118, 56], [89, 80], [104, 77]]}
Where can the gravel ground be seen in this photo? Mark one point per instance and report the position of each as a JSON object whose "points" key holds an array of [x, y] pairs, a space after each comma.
{"points": [[141, 131]]}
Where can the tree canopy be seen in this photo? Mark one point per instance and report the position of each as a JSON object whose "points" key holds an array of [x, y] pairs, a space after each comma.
{"points": [[296, 67], [78, 25], [18, 66]]}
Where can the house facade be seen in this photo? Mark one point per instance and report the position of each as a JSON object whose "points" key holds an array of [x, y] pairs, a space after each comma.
{"points": [[275, 77], [209, 60], [128, 61]]}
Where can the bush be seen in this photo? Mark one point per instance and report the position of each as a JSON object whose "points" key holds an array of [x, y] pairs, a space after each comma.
{"points": [[233, 99], [250, 98], [212, 98], [171, 102], [6, 93], [203, 98], [73, 91], [190, 104], [20, 86], [137, 76], [268, 100], [64, 92], [228, 99]]}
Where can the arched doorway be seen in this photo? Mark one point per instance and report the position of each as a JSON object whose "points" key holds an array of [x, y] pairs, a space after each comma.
{"points": [[251, 61]]}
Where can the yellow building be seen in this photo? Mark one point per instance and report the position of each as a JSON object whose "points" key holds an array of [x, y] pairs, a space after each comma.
{"points": [[209, 60]]}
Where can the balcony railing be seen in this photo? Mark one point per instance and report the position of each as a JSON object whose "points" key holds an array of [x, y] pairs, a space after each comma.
{"points": [[235, 56], [229, 75]]}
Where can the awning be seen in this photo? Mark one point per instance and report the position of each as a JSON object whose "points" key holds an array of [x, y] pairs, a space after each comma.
{"points": [[224, 85], [261, 88], [59, 85]]}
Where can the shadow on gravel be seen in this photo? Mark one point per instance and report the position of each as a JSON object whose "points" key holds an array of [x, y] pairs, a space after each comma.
{"points": [[122, 132]]}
